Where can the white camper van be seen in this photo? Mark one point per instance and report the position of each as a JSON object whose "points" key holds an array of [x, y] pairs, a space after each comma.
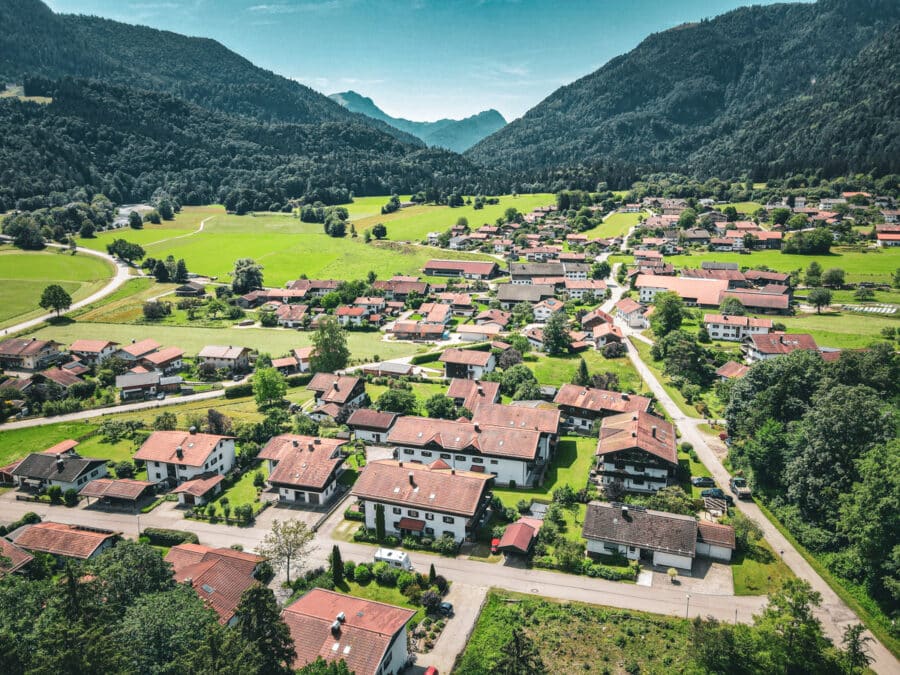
{"points": [[394, 558]]}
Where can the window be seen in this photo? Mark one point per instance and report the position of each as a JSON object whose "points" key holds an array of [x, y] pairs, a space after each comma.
{"points": [[397, 510], [429, 530], [429, 516], [158, 476], [412, 514], [477, 460], [446, 455], [407, 451], [460, 458], [449, 520], [426, 453], [494, 461], [449, 533]]}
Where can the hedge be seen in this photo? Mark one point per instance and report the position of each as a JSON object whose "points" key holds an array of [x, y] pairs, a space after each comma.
{"points": [[163, 537], [29, 518], [239, 391], [352, 514], [299, 380]]}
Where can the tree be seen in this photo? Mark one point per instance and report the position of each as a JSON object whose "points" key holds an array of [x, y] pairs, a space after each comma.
{"points": [[668, 313], [819, 298], [399, 401], [379, 231], [515, 377], [218, 423], [181, 272], [246, 276], [259, 623], [130, 570], [336, 565], [522, 313], [287, 543], [125, 250], [269, 386], [322, 667], [687, 219], [519, 656], [161, 272], [863, 294], [833, 277], [379, 523], [856, 651], [556, 334], [330, 342], [672, 499], [813, 275], [124, 469], [601, 270], [582, 377], [135, 222], [55, 297], [731, 306], [747, 531], [441, 406], [780, 216]]}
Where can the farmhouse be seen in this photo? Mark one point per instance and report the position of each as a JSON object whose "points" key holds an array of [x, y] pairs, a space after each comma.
{"points": [[467, 363], [694, 292], [760, 347], [370, 637], [137, 350], [57, 466], [399, 288], [166, 360], [370, 425], [496, 317], [64, 541], [418, 331], [337, 395], [631, 312], [765, 277], [177, 456], [606, 333], [471, 393], [291, 316], [429, 500], [547, 308], [636, 451], [93, 352], [468, 269], [734, 328], [581, 406], [595, 318], [304, 469], [512, 294], [28, 353], [235, 359], [218, 575], [770, 300], [667, 539]]}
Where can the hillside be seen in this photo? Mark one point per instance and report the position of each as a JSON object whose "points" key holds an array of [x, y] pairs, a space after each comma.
{"points": [[456, 135], [37, 42], [714, 96]]}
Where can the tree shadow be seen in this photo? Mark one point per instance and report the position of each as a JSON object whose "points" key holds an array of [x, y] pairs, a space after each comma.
{"points": [[60, 321]]}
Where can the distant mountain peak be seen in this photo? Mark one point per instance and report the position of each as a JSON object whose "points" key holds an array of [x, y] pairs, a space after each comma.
{"points": [[457, 135]]}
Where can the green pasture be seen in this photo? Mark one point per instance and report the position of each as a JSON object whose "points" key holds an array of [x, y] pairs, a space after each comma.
{"points": [[842, 330], [748, 208], [615, 225]]}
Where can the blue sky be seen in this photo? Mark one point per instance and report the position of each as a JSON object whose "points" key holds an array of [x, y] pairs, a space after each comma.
{"points": [[420, 59]]}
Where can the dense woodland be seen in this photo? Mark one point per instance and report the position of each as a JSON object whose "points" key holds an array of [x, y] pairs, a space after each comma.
{"points": [[764, 90]]}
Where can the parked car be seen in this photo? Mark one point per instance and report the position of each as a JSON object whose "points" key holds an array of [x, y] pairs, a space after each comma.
{"points": [[494, 544], [740, 488], [702, 481], [718, 493], [446, 609]]}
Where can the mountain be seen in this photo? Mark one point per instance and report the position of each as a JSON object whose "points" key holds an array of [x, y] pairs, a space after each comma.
{"points": [[764, 90], [456, 135], [37, 42]]}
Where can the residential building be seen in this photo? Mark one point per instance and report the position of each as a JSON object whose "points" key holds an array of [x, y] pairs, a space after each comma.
{"points": [[582, 406], [544, 420], [304, 469], [291, 316], [370, 637], [221, 357], [468, 269], [58, 466], [734, 328], [177, 456], [632, 313], [525, 273], [134, 385], [471, 393], [636, 452], [605, 333], [166, 360], [200, 490], [461, 304], [577, 289], [135, 351], [731, 370], [336, 395], [761, 347], [64, 541], [694, 292], [418, 331], [218, 575], [93, 352], [12, 557], [399, 288], [496, 317], [467, 363], [547, 308], [371, 426], [510, 295], [28, 353], [594, 318], [351, 316], [429, 500]]}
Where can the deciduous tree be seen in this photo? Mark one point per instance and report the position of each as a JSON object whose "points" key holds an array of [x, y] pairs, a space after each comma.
{"points": [[287, 544], [259, 623], [269, 386], [331, 351], [55, 297]]}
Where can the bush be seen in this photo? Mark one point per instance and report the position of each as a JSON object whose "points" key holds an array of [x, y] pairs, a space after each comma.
{"points": [[442, 584], [29, 518], [349, 569], [413, 593], [362, 574], [159, 536], [70, 497], [431, 601], [243, 514], [353, 514], [446, 545], [365, 535], [523, 506], [239, 391], [384, 574], [299, 380], [405, 580], [55, 494]]}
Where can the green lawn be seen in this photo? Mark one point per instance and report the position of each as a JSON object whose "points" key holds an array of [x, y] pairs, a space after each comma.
{"points": [[614, 226], [844, 330], [364, 346], [25, 274], [422, 390], [694, 467], [846, 297], [748, 208], [758, 571], [244, 491], [557, 370], [386, 594], [570, 466], [17, 443], [644, 350]]}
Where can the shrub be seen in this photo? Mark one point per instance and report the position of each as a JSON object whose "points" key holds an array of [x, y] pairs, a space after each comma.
{"points": [[29, 518], [523, 506], [55, 494], [442, 584], [243, 514], [446, 545], [349, 569], [405, 580], [353, 514], [159, 536], [413, 593], [70, 497], [431, 601], [365, 535], [362, 574], [239, 391]]}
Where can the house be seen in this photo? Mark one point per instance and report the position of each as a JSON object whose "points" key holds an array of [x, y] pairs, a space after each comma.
{"points": [[478, 333], [594, 318], [118, 492], [765, 277], [28, 353], [220, 357], [304, 357], [200, 490], [468, 269], [12, 557], [132, 385], [370, 637], [58, 466], [461, 304], [468, 363], [605, 333], [93, 352], [291, 316], [389, 369], [336, 395], [631, 312], [734, 277], [767, 300], [636, 451], [715, 540], [761, 347], [64, 541], [218, 575], [399, 288], [286, 365], [191, 289], [314, 287], [493, 316], [697, 236], [59, 377], [418, 331], [519, 537], [731, 370], [372, 305], [665, 539], [471, 393], [177, 456], [734, 328], [371, 426], [351, 316], [547, 308], [888, 239], [167, 360], [137, 350], [694, 292], [577, 289], [509, 295], [768, 239], [544, 420], [429, 500], [581, 406], [525, 273], [304, 469]]}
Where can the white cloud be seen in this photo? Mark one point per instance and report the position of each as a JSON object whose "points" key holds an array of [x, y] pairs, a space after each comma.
{"points": [[294, 8]]}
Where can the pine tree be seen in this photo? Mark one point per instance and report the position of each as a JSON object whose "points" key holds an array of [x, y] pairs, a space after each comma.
{"points": [[260, 624], [337, 565], [379, 522], [582, 377]]}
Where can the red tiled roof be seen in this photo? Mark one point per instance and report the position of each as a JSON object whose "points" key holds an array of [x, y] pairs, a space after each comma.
{"points": [[464, 435], [61, 447], [304, 353], [782, 343], [469, 357], [303, 461], [627, 306], [333, 388], [18, 557], [742, 321], [758, 299], [161, 446], [519, 535], [198, 487], [732, 369], [716, 534], [63, 378], [473, 392], [24, 346], [138, 349], [364, 637], [285, 362], [600, 400], [432, 488], [71, 541], [544, 420], [121, 488], [640, 430], [366, 418], [91, 346], [463, 266], [704, 291]]}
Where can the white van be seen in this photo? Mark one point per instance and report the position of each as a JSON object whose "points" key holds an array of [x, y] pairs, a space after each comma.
{"points": [[398, 559]]}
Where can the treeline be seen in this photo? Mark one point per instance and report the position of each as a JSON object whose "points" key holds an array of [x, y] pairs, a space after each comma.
{"points": [[820, 442], [29, 229]]}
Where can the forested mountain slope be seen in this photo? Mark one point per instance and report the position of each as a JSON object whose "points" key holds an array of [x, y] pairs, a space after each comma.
{"points": [[456, 135], [696, 98]]}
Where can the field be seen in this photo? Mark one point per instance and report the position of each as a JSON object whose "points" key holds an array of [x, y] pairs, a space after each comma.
{"points": [[364, 346], [748, 208], [843, 330], [558, 370], [629, 642], [24, 274], [615, 225], [759, 571]]}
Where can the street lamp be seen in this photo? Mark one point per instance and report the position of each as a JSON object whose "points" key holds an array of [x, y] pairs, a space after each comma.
{"points": [[687, 606]]}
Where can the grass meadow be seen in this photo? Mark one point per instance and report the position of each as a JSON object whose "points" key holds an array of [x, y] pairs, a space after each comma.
{"points": [[615, 225]]}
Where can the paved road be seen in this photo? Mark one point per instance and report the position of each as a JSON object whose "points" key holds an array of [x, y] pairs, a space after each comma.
{"points": [[123, 274]]}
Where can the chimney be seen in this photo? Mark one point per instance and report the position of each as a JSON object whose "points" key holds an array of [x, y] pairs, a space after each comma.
{"points": [[477, 427], [400, 463], [653, 431], [192, 430], [452, 471], [342, 617], [295, 443], [310, 447], [317, 441], [336, 628], [60, 463], [335, 385], [412, 480], [179, 452]]}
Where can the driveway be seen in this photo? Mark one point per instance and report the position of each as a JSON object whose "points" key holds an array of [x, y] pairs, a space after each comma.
{"points": [[467, 601]]}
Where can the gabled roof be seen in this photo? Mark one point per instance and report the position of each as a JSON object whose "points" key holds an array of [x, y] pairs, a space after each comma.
{"points": [[740, 321], [519, 535], [19, 347], [758, 299], [524, 292], [222, 352], [164, 355], [716, 534], [142, 348], [18, 557], [463, 266], [64, 468], [600, 400], [373, 420], [781, 343], [644, 528], [432, 488], [462, 436], [468, 357], [63, 378], [91, 346], [732, 369], [364, 636], [200, 486], [332, 388], [303, 461], [639, 430], [543, 420], [473, 392], [704, 291], [627, 306], [70, 541], [120, 488], [162, 446]]}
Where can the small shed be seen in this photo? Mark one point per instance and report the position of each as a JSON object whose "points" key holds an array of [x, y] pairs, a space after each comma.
{"points": [[120, 492], [200, 490], [519, 537]]}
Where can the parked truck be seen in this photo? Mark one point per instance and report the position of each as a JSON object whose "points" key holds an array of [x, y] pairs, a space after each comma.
{"points": [[740, 488]]}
